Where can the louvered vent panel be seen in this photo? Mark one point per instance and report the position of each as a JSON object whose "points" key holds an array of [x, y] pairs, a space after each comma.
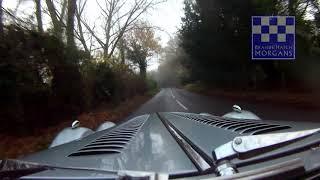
{"points": [[240, 126], [112, 142]]}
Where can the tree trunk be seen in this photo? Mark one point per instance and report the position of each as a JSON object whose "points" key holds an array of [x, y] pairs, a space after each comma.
{"points": [[106, 51], [57, 26], [1, 22], [81, 35], [38, 15], [108, 29], [122, 51], [70, 23], [143, 70], [122, 56], [274, 7]]}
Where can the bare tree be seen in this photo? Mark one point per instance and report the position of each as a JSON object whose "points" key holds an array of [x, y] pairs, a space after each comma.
{"points": [[1, 20], [57, 19], [113, 12], [122, 50], [38, 15], [71, 11], [79, 31], [70, 23]]}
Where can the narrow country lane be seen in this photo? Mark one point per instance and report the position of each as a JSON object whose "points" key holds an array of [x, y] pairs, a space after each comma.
{"points": [[179, 100]]}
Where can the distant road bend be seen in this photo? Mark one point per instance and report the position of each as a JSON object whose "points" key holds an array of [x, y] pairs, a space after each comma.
{"points": [[179, 100]]}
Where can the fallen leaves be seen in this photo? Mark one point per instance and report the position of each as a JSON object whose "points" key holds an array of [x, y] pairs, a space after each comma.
{"points": [[15, 146]]}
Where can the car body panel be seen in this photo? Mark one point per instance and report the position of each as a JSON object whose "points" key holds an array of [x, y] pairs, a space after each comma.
{"points": [[209, 138], [150, 147]]}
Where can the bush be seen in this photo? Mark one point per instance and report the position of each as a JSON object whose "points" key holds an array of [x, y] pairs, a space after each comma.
{"points": [[152, 86], [41, 84], [195, 87], [37, 82], [106, 83]]}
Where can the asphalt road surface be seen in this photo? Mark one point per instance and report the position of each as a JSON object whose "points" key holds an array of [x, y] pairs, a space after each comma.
{"points": [[178, 100]]}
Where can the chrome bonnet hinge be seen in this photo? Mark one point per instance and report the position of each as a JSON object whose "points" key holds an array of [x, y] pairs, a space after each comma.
{"points": [[250, 146]]}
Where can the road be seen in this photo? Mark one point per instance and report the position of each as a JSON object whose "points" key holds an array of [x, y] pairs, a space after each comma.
{"points": [[179, 100]]}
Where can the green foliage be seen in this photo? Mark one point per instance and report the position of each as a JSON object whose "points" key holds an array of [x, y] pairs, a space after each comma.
{"points": [[37, 82], [152, 86], [110, 82], [195, 87], [42, 81], [216, 36], [142, 44]]}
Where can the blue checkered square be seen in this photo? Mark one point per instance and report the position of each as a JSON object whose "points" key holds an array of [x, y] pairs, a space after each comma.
{"points": [[264, 29], [273, 37], [256, 37], [281, 29], [256, 21], [290, 37], [289, 21], [273, 21]]}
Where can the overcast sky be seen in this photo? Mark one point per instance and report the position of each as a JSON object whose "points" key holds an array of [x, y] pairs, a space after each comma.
{"points": [[166, 16]]}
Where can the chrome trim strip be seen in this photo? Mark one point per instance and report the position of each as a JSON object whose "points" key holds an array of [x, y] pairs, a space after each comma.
{"points": [[194, 156]]}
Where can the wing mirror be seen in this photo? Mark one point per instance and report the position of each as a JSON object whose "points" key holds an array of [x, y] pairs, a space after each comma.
{"points": [[238, 113], [75, 124], [236, 108]]}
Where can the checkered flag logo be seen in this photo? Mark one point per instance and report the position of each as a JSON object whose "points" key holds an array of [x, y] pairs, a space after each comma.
{"points": [[273, 30]]}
